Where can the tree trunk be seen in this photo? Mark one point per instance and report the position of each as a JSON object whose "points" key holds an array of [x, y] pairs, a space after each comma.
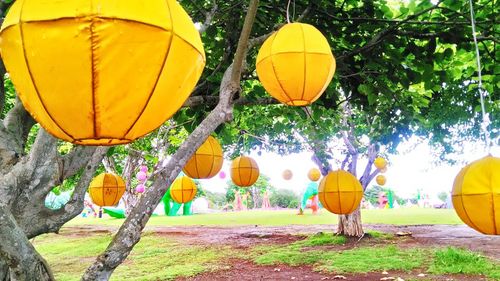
{"points": [[16, 251], [350, 225]]}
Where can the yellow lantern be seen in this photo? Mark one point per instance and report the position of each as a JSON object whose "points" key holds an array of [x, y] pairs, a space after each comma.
{"points": [[106, 189], [244, 171], [314, 174], [381, 179], [340, 192], [287, 174], [183, 190], [101, 72], [476, 195], [380, 163], [296, 64], [383, 170], [206, 161]]}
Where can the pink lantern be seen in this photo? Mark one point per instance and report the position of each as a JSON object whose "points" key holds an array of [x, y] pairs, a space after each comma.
{"points": [[142, 176], [140, 188], [144, 168], [222, 175]]}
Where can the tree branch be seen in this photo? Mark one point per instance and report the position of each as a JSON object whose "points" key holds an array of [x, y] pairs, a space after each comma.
{"points": [[209, 17]]}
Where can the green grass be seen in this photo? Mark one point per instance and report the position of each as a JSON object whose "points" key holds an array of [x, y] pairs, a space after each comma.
{"points": [[408, 216], [453, 260], [153, 258]]}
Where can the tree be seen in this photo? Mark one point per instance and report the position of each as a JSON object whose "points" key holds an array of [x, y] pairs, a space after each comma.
{"points": [[284, 198], [443, 196], [256, 190], [404, 69]]}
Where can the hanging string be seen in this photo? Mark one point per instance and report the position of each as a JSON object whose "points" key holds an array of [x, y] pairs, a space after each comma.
{"points": [[486, 120], [288, 11]]}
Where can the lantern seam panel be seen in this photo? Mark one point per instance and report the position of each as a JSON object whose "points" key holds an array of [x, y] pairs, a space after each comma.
{"points": [[213, 159], [276, 74], [466, 214], [116, 190], [21, 22], [156, 82], [290, 52], [93, 69], [490, 183], [305, 62], [196, 166]]}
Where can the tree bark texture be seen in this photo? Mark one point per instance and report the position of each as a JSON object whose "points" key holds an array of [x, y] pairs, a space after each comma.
{"points": [[129, 233]]}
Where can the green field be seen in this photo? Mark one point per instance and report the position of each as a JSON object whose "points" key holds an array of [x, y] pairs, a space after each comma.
{"points": [[406, 216]]}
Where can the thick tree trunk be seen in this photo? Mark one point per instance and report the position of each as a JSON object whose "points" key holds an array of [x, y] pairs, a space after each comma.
{"points": [[16, 251], [350, 225]]}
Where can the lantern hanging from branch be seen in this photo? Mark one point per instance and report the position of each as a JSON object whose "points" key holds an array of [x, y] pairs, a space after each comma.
{"points": [[287, 174], [314, 174], [340, 192], [183, 190], [206, 161], [381, 180], [296, 64], [380, 163], [101, 72], [244, 171], [106, 189], [476, 195]]}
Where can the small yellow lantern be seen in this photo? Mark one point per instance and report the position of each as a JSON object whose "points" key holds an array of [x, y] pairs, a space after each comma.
{"points": [[101, 72], [381, 179], [287, 174], [476, 195], [106, 189], [340, 192], [183, 190], [380, 163], [383, 170], [296, 64], [206, 161], [244, 171], [314, 174]]}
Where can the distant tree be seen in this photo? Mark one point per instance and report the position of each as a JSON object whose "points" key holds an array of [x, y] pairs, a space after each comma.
{"points": [[284, 198], [256, 191], [443, 196]]}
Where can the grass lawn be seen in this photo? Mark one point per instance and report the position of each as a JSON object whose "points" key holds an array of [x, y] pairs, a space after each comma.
{"points": [[157, 257], [406, 216]]}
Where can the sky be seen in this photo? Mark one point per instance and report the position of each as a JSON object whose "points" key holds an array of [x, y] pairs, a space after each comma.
{"points": [[411, 169]]}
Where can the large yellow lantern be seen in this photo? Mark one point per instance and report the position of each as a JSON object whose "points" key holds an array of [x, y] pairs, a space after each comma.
{"points": [[381, 179], [476, 195], [296, 64], [206, 161], [183, 190], [380, 163], [244, 171], [106, 189], [101, 72], [340, 192], [314, 174]]}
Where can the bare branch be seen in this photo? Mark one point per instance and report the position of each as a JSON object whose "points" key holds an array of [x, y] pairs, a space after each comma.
{"points": [[209, 17]]}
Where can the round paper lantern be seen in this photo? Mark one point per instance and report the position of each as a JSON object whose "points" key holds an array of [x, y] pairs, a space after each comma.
{"points": [[383, 170], [106, 189], [142, 176], [340, 192], [222, 175], [295, 64], [183, 190], [380, 179], [287, 174], [314, 174], [380, 163], [101, 72], [244, 171], [476, 195], [206, 161], [144, 169], [140, 188]]}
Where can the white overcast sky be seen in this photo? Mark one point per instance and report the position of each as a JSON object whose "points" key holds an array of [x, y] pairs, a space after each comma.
{"points": [[408, 171]]}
